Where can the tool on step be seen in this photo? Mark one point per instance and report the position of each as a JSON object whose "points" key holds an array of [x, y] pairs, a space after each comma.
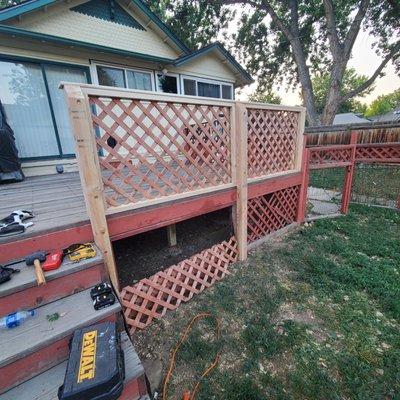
{"points": [[6, 272], [36, 259], [96, 368], [100, 289], [80, 251], [53, 260], [103, 301], [14, 222]]}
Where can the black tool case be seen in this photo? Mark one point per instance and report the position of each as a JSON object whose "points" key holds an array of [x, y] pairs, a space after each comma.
{"points": [[96, 368]]}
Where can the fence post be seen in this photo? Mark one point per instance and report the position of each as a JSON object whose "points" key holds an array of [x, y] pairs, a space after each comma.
{"points": [[348, 175], [305, 169], [90, 174], [241, 179]]}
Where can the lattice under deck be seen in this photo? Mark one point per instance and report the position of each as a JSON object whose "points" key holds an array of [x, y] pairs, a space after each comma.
{"points": [[166, 290], [272, 138], [270, 212], [153, 149]]}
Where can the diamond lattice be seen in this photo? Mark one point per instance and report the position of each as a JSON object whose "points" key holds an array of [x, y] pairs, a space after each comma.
{"points": [[166, 290], [388, 153], [272, 136], [271, 212], [330, 156], [152, 149]]}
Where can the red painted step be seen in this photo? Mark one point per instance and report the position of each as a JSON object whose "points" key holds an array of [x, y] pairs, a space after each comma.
{"points": [[22, 292], [45, 385], [39, 344]]}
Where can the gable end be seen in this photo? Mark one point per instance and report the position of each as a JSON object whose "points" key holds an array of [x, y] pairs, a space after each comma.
{"points": [[107, 10]]}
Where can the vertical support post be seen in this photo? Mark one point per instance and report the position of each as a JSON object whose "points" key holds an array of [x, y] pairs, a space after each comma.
{"points": [[348, 176], [301, 141], [90, 174], [241, 179], [171, 234], [305, 169]]}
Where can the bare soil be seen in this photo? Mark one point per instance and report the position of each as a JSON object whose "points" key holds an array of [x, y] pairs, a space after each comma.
{"points": [[143, 255]]}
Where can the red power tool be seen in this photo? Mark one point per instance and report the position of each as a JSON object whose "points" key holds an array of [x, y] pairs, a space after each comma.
{"points": [[53, 260]]}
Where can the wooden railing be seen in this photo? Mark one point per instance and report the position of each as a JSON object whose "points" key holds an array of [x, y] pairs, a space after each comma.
{"points": [[136, 149]]}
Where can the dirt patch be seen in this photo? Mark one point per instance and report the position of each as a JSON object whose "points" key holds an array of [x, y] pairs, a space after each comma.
{"points": [[143, 255]]}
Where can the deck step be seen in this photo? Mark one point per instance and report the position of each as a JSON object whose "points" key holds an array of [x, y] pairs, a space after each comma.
{"points": [[39, 344], [22, 292], [45, 385]]}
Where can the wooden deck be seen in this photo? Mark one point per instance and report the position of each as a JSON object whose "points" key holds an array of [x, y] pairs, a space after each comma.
{"points": [[56, 200]]}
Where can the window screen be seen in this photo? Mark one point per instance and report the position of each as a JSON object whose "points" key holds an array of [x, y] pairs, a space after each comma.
{"points": [[139, 80], [189, 87], [111, 76], [226, 92], [208, 90]]}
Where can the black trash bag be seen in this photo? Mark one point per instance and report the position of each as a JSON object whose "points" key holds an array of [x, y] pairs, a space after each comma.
{"points": [[10, 165]]}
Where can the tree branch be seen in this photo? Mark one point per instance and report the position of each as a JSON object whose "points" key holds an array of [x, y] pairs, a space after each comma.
{"points": [[355, 28], [394, 53], [333, 37]]}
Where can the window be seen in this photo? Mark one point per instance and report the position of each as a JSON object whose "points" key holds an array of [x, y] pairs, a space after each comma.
{"points": [[167, 83], [111, 77], [207, 88], [35, 106], [124, 78], [189, 87], [226, 91]]}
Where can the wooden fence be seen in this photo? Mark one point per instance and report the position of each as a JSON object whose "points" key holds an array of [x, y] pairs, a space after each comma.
{"points": [[139, 149]]}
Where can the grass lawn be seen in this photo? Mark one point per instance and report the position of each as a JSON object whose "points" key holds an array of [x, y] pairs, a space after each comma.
{"points": [[313, 315]]}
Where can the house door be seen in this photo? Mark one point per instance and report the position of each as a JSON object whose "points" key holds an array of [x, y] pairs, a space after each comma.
{"points": [[35, 106]]}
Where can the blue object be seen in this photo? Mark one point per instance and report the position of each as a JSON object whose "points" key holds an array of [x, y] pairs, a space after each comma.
{"points": [[15, 319]]}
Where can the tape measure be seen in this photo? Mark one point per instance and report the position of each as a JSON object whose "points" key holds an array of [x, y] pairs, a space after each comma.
{"points": [[80, 251]]}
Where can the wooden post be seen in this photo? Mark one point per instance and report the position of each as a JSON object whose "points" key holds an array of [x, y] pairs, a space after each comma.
{"points": [[171, 234], [90, 174], [305, 169], [301, 141], [241, 179], [348, 176]]}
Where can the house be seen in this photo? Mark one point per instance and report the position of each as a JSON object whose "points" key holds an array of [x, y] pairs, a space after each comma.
{"points": [[349, 118], [107, 42], [391, 116]]}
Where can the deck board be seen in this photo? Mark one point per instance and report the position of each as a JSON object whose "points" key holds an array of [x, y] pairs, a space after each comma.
{"points": [[56, 200]]}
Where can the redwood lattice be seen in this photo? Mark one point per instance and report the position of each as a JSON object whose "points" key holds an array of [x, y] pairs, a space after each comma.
{"points": [[272, 138], [152, 149], [151, 298], [332, 156], [380, 153], [270, 212]]}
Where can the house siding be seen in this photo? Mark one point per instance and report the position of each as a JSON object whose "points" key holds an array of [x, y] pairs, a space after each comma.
{"points": [[63, 22]]}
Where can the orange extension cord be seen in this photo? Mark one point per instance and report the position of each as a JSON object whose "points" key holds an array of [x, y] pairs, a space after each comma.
{"points": [[187, 395]]}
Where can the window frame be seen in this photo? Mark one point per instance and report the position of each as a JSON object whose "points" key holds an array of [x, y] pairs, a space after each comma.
{"points": [[124, 68], [42, 63], [206, 80]]}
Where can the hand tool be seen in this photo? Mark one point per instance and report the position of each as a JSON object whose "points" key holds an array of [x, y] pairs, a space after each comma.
{"points": [[80, 251], [36, 259], [53, 260]]}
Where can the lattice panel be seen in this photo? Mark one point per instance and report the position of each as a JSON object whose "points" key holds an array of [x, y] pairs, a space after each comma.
{"points": [[374, 153], [331, 156], [270, 212], [153, 297], [153, 149], [272, 138]]}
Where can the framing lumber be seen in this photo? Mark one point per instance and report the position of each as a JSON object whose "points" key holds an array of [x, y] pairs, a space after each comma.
{"points": [[171, 235], [89, 172]]}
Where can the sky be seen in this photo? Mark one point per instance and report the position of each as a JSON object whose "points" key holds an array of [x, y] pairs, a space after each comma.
{"points": [[364, 60]]}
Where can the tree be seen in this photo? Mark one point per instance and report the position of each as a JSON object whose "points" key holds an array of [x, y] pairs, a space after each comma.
{"points": [[296, 39], [196, 22], [7, 3], [265, 97], [383, 104], [351, 80]]}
